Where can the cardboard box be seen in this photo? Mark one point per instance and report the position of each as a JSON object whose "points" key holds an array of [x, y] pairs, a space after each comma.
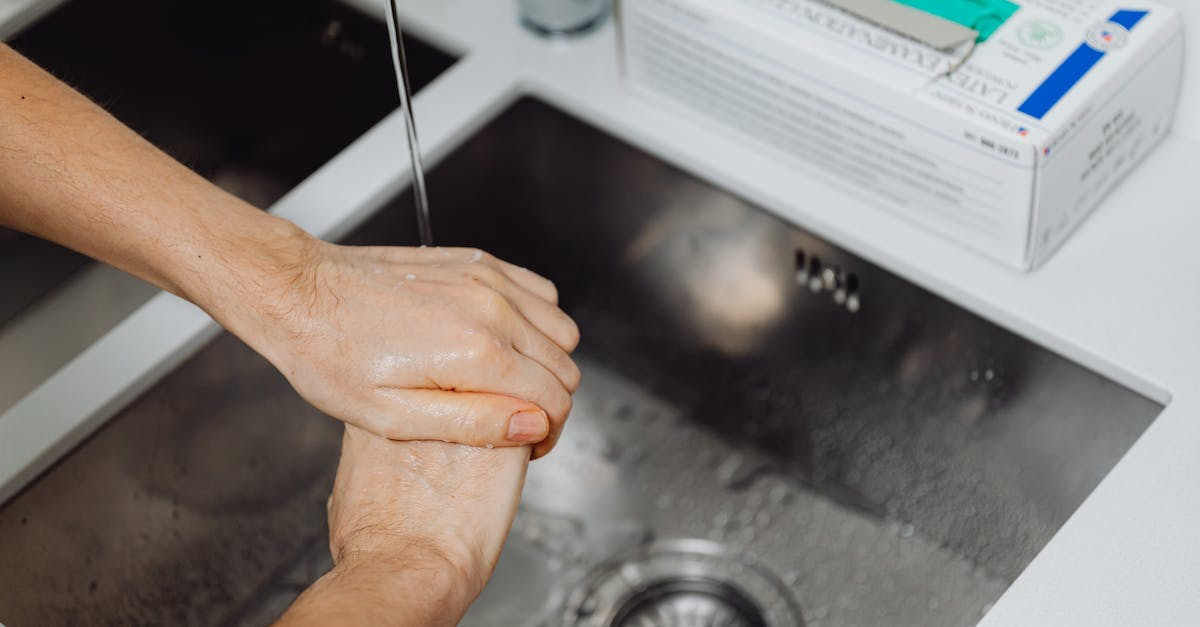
{"points": [[1004, 145]]}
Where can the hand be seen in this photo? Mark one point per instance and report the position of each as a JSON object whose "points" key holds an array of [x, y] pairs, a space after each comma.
{"points": [[377, 337], [407, 516], [399, 340]]}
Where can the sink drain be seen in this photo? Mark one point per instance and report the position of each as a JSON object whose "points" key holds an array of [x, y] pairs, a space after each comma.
{"points": [[682, 583], [695, 603]]}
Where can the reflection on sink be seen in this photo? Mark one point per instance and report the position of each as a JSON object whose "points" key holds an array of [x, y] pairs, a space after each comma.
{"points": [[254, 96], [896, 466]]}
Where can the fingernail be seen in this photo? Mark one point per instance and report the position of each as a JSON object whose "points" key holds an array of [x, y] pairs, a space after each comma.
{"points": [[527, 427]]}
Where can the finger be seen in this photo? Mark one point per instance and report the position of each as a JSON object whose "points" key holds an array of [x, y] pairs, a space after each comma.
{"points": [[473, 418], [501, 369], [556, 400], [537, 284], [551, 321], [529, 341], [548, 319], [541, 449], [528, 279], [542, 287], [535, 383]]}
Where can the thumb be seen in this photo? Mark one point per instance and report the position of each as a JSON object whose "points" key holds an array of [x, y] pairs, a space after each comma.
{"points": [[472, 418]]}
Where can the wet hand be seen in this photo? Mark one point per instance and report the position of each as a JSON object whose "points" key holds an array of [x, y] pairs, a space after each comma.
{"points": [[405, 516], [423, 343], [443, 505]]}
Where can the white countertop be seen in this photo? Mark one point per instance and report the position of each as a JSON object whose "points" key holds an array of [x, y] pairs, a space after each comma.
{"points": [[1119, 297]]}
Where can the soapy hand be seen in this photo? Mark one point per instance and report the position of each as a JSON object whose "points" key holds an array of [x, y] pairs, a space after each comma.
{"points": [[424, 344]]}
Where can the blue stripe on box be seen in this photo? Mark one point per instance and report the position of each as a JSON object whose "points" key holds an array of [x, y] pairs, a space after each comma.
{"points": [[1072, 70], [1128, 18]]}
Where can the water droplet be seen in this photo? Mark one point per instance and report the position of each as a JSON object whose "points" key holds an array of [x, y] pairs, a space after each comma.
{"points": [[729, 470], [736, 473]]}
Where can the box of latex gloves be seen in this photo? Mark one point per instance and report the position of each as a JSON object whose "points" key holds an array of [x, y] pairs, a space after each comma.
{"points": [[998, 124]]}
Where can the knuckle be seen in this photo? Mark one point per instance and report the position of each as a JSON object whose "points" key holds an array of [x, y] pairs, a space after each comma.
{"points": [[478, 422], [565, 368], [479, 296], [574, 376], [488, 349], [509, 364], [561, 406], [571, 334], [487, 274], [494, 305]]}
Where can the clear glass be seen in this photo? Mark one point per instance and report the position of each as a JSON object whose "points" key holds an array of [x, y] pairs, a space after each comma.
{"points": [[563, 17]]}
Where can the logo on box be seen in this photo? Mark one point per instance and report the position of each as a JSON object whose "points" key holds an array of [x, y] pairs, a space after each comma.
{"points": [[1107, 36], [1040, 34]]}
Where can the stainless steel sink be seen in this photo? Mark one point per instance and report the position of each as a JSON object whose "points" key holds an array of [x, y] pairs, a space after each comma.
{"points": [[745, 449]]}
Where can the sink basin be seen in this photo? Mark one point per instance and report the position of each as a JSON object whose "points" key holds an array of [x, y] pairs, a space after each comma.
{"points": [[771, 430], [254, 96]]}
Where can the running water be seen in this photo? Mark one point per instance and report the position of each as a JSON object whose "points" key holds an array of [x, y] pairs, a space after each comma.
{"points": [[414, 149]]}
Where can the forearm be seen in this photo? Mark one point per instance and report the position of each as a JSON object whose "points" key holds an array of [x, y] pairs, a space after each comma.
{"points": [[72, 174]]}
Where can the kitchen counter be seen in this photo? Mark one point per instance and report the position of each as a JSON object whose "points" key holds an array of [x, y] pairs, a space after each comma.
{"points": [[1116, 298]]}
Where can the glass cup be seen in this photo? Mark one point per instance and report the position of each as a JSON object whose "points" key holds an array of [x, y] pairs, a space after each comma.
{"points": [[562, 17]]}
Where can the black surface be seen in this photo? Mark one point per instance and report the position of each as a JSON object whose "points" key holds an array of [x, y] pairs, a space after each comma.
{"points": [[259, 94]]}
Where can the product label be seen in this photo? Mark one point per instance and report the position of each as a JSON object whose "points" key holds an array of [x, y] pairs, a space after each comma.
{"points": [[961, 179], [842, 28]]}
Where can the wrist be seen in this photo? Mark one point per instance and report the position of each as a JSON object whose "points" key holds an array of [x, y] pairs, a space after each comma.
{"points": [[409, 587], [245, 272], [451, 570]]}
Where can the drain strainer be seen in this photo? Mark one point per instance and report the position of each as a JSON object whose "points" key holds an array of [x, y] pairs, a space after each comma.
{"points": [[682, 583]]}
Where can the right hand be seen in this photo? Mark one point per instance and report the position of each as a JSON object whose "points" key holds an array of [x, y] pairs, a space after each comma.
{"points": [[415, 530], [399, 340], [428, 502]]}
